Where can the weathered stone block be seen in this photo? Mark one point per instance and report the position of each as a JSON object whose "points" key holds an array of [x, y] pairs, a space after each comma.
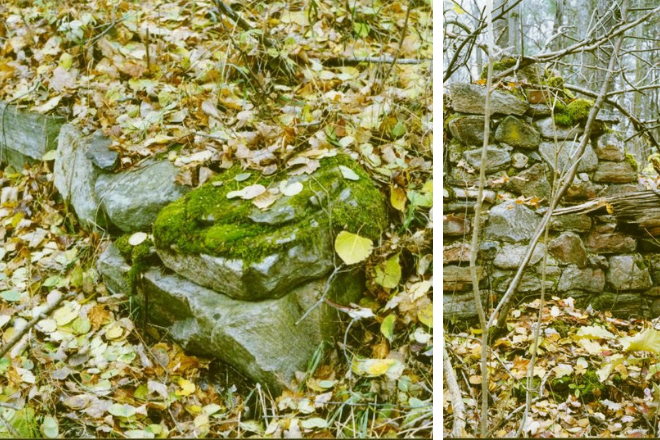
{"points": [[133, 199], [548, 130], [615, 172], [610, 147], [509, 256], [571, 222], [587, 279], [26, 137], [471, 98], [568, 248], [468, 129], [511, 222], [531, 182], [496, 158], [604, 240], [517, 133], [224, 242], [564, 155], [628, 272], [456, 253]]}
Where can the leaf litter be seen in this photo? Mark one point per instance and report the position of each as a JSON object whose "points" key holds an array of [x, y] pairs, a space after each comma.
{"points": [[186, 83]]}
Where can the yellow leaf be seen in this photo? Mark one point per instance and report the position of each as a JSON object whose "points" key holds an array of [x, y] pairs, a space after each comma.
{"points": [[648, 340], [352, 248], [137, 238], [390, 275], [187, 388], [425, 315], [398, 198], [377, 367]]}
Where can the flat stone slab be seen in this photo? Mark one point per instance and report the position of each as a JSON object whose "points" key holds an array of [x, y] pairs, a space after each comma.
{"points": [[564, 154], [471, 98], [511, 222], [26, 137], [517, 133]]}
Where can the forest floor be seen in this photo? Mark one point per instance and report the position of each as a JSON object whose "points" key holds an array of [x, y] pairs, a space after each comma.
{"points": [[597, 375], [268, 85]]}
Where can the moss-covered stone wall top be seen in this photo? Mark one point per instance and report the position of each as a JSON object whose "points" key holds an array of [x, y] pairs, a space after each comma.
{"points": [[283, 244]]}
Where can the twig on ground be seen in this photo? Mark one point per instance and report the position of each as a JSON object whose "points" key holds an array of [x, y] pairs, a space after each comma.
{"points": [[455, 394]]}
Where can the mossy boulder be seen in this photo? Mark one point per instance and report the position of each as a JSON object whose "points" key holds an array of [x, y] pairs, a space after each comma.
{"points": [[231, 246]]}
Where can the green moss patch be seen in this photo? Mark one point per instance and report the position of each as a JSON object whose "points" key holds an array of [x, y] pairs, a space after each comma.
{"points": [[206, 221], [139, 257]]}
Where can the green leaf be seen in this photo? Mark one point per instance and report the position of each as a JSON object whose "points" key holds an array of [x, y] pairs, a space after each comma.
{"points": [[314, 423], [361, 29], [52, 281], [49, 427], [352, 248], [398, 130], [425, 315], [50, 155], [424, 200], [119, 410], [390, 275], [387, 326], [243, 176], [10, 295]]}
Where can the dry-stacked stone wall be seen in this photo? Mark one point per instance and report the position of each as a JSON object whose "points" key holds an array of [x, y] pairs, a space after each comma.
{"points": [[588, 257]]}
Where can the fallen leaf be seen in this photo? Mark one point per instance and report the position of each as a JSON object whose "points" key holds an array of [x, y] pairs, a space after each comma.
{"points": [[352, 248]]}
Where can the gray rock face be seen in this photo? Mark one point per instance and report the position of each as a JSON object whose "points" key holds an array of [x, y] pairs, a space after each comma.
{"points": [[654, 268], [100, 154], [132, 200], [566, 156], [114, 268], [519, 160], [496, 158], [458, 307], [615, 172], [531, 182], [510, 255], [471, 98], [75, 177], [615, 190], [589, 279], [568, 248], [603, 239], [468, 129], [628, 272], [517, 133], [26, 137], [571, 222], [580, 190], [511, 222], [610, 147], [272, 276], [548, 129], [259, 339], [538, 110]]}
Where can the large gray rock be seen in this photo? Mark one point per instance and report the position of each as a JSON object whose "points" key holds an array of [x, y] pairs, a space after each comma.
{"points": [[260, 339], [564, 155], [548, 129], [496, 158], [26, 137], [622, 305], [615, 172], [133, 199], [610, 147], [628, 272], [100, 154], [460, 307], [471, 98], [229, 245], [604, 239], [511, 222], [455, 225], [571, 222], [517, 133], [588, 279], [509, 256], [75, 176], [531, 182], [568, 248], [468, 129]]}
